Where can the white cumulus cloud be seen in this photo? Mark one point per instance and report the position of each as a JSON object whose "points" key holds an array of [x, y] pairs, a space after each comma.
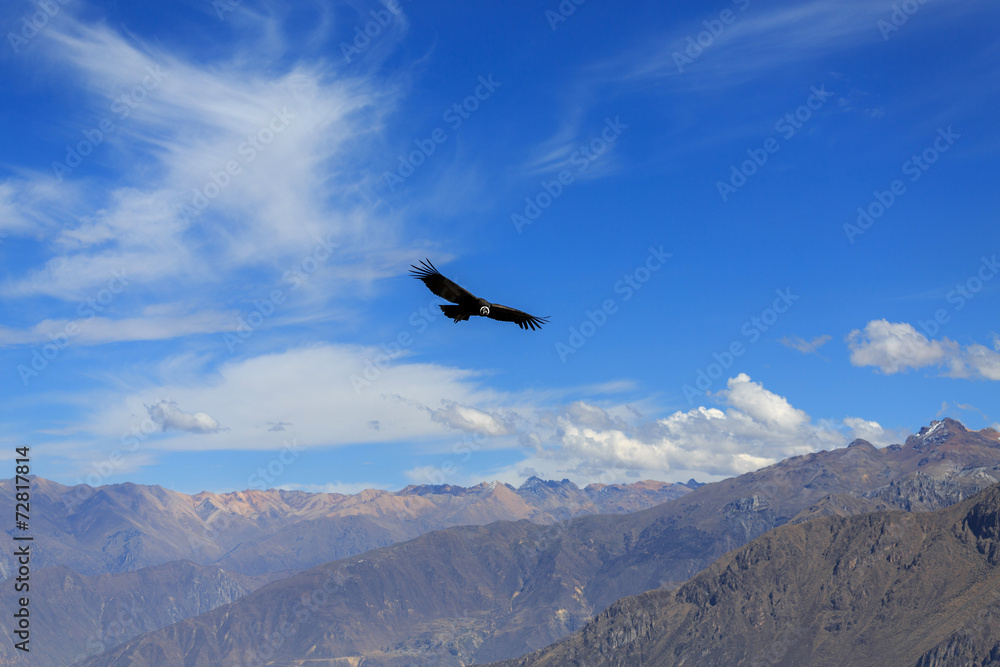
{"points": [[754, 428], [894, 347], [761, 405], [169, 415]]}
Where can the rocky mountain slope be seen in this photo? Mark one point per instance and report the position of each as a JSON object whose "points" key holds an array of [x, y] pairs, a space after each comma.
{"points": [[487, 593], [76, 616], [889, 588]]}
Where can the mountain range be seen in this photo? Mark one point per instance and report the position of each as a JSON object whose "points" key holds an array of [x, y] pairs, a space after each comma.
{"points": [[125, 527], [493, 592], [121, 560]]}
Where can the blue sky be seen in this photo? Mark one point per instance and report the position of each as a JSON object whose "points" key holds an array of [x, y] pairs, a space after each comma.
{"points": [[759, 228]]}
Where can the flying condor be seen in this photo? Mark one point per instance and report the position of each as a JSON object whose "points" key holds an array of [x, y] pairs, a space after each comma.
{"points": [[468, 304]]}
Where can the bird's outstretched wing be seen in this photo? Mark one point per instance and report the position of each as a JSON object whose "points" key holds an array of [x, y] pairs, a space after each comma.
{"points": [[522, 319], [444, 288]]}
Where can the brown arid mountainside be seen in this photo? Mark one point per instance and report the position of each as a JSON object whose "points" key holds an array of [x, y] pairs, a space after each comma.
{"points": [[488, 593], [426, 602], [887, 588], [687, 534], [76, 616], [125, 527], [115, 562]]}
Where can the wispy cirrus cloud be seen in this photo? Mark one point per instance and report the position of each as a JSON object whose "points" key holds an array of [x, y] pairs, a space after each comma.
{"points": [[100, 330], [229, 155], [701, 53], [34, 204], [955, 409], [804, 346], [763, 39]]}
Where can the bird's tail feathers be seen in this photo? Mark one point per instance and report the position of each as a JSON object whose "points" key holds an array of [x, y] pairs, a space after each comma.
{"points": [[454, 312]]}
